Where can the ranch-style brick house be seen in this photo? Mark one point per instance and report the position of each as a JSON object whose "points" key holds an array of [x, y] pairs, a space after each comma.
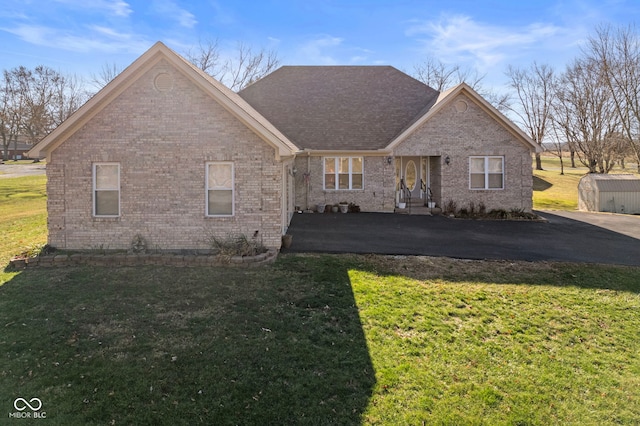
{"points": [[168, 153]]}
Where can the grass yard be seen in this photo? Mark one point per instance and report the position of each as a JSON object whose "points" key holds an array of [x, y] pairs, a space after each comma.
{"points": [[553, 191], [315, 339], [23, 217], [326, 340]]}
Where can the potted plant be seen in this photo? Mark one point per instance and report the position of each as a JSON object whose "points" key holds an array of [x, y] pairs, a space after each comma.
{"points": [[430, 203], [320, 207], [335, 208], [344, 207]]}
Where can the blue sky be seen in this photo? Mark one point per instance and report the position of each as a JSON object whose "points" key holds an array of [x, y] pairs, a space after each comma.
{"points": [[80, 36]]}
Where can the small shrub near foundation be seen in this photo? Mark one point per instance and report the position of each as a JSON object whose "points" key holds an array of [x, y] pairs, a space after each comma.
{"points": [[138, 244], [236, 245], [450, 207], [479, 211]]}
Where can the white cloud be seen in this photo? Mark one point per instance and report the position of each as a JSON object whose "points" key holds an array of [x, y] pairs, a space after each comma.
{"points": [[113, 7], [109, 32], [97, 39], [459, 39], [171, 10], [320, 50]]}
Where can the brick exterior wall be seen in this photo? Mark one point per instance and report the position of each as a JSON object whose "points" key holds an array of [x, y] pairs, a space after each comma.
{"points": [[378, 194], [453, 133], [162, 140], [461, 134]]}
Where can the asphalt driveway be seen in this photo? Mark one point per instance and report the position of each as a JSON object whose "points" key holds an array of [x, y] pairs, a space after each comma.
{"points": [[566, 236]]}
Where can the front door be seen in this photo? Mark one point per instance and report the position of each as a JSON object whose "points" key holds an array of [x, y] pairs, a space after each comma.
{"points": [[410, 170]]}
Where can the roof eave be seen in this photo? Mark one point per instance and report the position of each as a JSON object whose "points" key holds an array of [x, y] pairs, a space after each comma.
{"points": [[345, 152]]}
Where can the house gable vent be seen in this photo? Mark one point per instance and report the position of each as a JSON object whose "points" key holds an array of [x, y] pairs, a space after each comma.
{"points": [[163, 82], [461, 106]]}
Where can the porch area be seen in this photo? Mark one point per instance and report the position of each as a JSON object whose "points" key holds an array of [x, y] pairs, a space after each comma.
{"points": [[418, 185]]}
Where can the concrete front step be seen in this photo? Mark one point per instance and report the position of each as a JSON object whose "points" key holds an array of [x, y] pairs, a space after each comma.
{"points": [[418, 210]]}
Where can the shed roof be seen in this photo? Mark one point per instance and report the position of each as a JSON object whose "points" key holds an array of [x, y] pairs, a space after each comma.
{"points": [[340, 107], [615, 183]]}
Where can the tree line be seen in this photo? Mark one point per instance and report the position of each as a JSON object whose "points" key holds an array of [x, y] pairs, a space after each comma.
{"points": [[33, 102], [591, 109]]}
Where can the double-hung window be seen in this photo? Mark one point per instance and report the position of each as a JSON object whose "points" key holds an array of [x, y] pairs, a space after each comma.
{"points": [[220, 189], [106, 189], [486, 172], [343, 173]]}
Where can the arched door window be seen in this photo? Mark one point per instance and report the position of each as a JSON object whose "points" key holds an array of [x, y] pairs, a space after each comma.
{"points": [[411, 175]]}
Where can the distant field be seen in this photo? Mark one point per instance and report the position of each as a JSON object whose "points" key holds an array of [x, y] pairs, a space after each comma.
{"points": [[553, 191]]}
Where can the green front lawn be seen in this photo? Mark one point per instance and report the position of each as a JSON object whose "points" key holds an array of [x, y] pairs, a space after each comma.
{"points": [[326, 340]]}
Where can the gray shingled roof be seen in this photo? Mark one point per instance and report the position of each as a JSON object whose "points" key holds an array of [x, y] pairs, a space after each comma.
{"points": [[340, 107]]}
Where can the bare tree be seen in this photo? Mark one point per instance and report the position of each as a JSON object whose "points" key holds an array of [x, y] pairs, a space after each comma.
{"points": [[108, 72], [440, 76], [534, 90], [249, 66], [617, 50], [242, 67], [558, 143], [34, 102], [585, 113], [207, 57], [69, 95], [9, 113], [37, 91]]}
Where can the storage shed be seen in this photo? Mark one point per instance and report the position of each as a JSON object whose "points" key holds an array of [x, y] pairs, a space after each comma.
{"points": [[609, 193]]}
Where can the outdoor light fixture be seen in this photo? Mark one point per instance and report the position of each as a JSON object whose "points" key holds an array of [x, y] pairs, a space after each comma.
{"points": [[293, 171], [389, 159], [447, 160]]}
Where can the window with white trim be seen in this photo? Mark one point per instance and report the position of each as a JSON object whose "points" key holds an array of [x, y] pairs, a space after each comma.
{"points": [[486, 172], [343, 173], [106, 189], [219, 185]]}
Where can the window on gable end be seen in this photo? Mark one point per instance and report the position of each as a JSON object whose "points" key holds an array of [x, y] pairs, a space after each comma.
{"points": [[106, 189], [220, 193]]}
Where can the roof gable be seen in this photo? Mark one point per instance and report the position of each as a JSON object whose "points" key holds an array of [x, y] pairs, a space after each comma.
{"points": [[339, 107], [446, 98], [223, 95]]}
